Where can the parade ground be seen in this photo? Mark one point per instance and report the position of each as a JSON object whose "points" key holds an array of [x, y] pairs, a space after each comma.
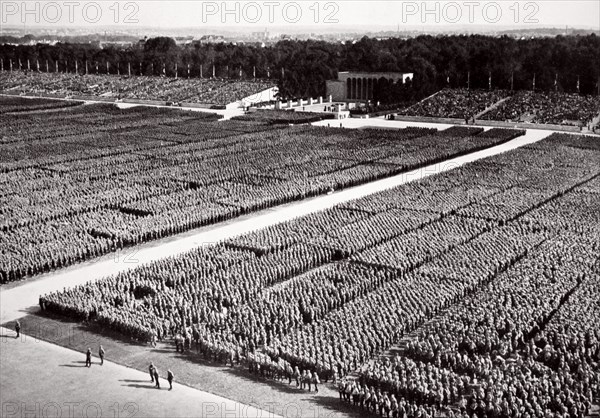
{"points": [[43, 372]]}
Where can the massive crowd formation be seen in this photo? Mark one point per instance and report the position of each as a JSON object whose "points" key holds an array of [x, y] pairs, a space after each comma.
{"points": [[194, 90], [547, 108], [555, 108], [483, 280], [456, 103], [84, 181], [283, 116], [20, 104]]}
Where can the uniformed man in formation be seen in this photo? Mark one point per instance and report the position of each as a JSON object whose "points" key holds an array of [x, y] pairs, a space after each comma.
{"points": [[170, 378], [101, 355], [88, 358], [155, 373]]}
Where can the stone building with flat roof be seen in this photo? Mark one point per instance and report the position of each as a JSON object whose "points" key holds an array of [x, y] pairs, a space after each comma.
{"points": [[359, 86]]}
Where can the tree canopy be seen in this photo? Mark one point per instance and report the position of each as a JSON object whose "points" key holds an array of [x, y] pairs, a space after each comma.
{"points": [[302, 67]]}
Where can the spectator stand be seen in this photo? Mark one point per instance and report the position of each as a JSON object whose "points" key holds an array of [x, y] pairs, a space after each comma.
{"points": [[492, 107], [226, 93], [527, 125]]}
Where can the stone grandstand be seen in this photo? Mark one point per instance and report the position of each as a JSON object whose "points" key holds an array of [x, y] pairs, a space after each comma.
{"points": [[196, 92]]}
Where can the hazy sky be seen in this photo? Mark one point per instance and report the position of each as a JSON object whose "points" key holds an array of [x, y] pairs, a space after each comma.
{"points": [[261, 14]]}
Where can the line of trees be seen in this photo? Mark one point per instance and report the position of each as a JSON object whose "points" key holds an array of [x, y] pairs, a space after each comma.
{"points": [[302, 67]]}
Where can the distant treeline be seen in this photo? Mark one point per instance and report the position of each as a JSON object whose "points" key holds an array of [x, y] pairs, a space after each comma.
{"points": [[301, 67], [95, 38]]}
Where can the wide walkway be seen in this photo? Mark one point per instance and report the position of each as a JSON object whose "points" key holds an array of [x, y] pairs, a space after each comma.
{"points": [[40, 379]]}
